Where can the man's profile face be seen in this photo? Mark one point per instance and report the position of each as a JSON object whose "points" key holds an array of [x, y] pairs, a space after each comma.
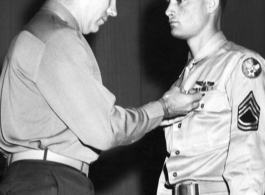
{"points": [[95, 13], [187, 18]]}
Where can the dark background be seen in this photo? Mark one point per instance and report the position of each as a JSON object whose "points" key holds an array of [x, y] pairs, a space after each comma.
{"points": [[139, 60]]}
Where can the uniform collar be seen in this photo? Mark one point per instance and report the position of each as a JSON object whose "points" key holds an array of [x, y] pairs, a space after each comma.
{"points": [[213, 44], [61, 11]]}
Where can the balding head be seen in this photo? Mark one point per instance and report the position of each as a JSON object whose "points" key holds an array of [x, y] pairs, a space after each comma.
{"points": [[90, 14]]}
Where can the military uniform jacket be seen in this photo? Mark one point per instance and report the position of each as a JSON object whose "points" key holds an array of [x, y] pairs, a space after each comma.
{"points": [[224, 139]]}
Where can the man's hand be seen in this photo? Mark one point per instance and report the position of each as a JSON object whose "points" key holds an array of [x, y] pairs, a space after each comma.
{"points": [[177, 103]]}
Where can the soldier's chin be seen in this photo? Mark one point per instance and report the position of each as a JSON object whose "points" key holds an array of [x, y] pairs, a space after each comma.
{"points": [[176, 34]]}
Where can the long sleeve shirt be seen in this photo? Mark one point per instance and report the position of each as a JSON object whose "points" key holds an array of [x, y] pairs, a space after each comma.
{"points": [[224, 139], [52, 95]]}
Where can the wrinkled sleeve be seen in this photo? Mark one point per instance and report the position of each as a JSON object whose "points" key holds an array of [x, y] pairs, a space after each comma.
{"points": [[245, 164], [66, 79]]}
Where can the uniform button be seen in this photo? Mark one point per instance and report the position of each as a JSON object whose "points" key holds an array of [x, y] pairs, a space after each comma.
{"points": [[177, 152], [202, 106], [175, 174], [179, 125]]}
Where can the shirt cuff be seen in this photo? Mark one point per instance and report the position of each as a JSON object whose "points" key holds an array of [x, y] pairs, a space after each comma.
{"points": [[154, 110]]}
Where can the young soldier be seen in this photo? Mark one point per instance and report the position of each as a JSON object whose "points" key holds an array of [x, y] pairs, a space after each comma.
{"points": [[218, 148]]}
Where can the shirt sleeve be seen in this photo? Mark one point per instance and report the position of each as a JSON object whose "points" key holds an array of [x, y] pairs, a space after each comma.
{"points": [[245, 164], [67, 80]]}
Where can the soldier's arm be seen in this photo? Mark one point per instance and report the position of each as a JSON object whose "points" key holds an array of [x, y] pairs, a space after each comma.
{"points": [[244, 170]]}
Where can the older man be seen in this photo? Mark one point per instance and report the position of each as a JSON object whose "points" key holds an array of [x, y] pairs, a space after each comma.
{"points": [[55, 113], [220, 147]]}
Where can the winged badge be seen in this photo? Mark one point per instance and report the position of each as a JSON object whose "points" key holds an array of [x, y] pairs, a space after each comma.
{"points": [[204, 86]]}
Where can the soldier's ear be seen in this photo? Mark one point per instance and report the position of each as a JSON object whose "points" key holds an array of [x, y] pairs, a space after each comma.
{"points": [[212, 5]]}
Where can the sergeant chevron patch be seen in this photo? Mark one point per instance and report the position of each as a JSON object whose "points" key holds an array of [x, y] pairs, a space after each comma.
{"points": [[248, 114]]}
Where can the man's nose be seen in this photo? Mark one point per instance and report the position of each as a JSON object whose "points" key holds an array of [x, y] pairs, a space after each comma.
{"points": [[169, 10], [112, 10]]}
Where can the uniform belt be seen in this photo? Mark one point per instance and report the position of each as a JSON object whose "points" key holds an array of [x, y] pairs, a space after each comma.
{"points": [[47, 155], [200, 188]]}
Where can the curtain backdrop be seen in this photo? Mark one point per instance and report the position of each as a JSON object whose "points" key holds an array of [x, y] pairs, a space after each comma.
{"points": [[139, 60]]}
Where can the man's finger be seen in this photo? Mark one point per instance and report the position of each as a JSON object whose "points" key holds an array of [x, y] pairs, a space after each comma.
{"points": [[196, 96], [174, 88], [192, 91], [195, 105]]}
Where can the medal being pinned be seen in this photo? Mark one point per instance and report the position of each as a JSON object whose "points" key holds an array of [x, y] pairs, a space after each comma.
{"points": [[204, 86], [251, 68]]}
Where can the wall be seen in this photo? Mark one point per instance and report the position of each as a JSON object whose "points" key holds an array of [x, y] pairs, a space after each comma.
{"points": [[139, 60]]}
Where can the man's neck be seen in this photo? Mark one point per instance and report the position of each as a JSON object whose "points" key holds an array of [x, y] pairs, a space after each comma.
{"points": [[196, 43]]}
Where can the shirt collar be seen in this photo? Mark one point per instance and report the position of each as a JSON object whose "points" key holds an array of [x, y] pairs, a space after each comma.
{"points": [[61, 11], [213, 44]]}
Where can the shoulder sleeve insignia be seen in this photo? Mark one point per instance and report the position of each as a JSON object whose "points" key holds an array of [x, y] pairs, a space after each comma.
{"points": [[248, 114], [251, 68]]}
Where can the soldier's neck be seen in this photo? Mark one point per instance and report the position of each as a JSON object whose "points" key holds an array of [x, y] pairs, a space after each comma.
{"points": [[197, 42]]}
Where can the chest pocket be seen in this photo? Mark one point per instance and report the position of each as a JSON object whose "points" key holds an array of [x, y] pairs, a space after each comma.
{"points": [[209, 126], [214, 101]]}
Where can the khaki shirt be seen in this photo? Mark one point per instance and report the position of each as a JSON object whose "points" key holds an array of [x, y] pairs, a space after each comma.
{"points": [[224, 139], [52, 94]]}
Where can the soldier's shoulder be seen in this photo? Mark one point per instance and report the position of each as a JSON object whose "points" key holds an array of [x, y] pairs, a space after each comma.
{"points": [[250, 62], [45, 26], [234, 49]]}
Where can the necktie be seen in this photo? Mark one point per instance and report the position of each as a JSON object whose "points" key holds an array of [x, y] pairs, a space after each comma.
{"points": [[188, 69]]}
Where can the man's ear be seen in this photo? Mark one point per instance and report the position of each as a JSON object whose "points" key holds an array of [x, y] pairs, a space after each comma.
{"points": [[212, 5]]}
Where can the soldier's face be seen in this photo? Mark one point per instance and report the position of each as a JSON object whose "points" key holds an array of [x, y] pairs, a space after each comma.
{"points": [[95, 13], [187, 18]]}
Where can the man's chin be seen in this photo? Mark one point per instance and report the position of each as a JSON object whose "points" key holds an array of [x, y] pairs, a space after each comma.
{"points": [[92, 30], [95, 30]]}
